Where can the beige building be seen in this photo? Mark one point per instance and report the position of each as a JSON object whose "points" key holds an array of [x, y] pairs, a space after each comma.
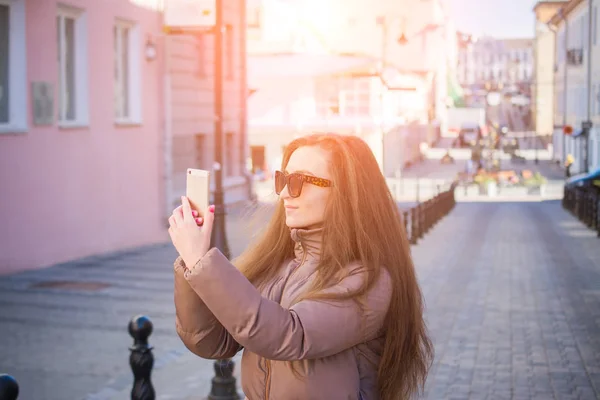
{"points": [[498, 62], [575, 100], [544, 53]]}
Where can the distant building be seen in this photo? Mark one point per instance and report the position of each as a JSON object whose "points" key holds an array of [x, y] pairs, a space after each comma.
{"points": [[355, 38], [495, 62], [543, 82]]}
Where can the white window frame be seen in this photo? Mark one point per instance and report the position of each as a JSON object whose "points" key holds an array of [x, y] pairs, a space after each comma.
{"points": [[351, 104], [17, 69], [134, 73], [80, 68]]}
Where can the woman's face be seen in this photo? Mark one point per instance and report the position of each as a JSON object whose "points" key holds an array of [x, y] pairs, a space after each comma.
{"points": [[308, 209]]}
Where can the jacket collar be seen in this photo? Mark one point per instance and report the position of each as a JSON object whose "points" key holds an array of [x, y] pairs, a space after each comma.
{"points": [[308, 243]]}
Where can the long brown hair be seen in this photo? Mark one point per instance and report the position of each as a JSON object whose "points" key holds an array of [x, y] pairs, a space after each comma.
{"points": [[362, 223]]}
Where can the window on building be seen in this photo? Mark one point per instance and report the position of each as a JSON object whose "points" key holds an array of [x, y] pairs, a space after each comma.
{"points": [[72, 66], [327, 97], [254, 18], [127, 71], [201, 54], [4, 62], [229, 154], [13, 68], [355, 97]]}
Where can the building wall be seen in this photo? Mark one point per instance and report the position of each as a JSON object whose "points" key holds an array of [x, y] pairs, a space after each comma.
{"points": [[276, 115], [545, 48], [594, 144], [72, 190], [503, 61], [573, 101], [192, 104]]}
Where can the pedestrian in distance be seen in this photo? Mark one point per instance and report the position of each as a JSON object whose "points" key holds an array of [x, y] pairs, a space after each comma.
{"points": [[326, 303], [568, 164]]}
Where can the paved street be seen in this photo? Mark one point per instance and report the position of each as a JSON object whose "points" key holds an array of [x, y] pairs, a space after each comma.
{"points": [[512, 293]]}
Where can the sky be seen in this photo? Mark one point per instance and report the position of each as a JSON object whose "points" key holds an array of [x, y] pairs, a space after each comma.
{"points": [[496, 18]]}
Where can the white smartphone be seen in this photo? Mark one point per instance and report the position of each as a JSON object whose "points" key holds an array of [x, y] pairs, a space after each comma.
{"points": [[198, 189]]}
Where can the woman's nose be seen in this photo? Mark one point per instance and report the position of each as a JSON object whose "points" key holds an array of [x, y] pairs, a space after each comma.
{"points": [[285, 193]]}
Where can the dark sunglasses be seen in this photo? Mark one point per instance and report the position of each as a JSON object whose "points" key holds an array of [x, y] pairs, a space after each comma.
{"points": [[295, 181]]}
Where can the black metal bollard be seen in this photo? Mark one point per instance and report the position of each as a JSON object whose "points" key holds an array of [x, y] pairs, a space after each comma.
{"points": [[452, 197], [588, 208], [425, 211], [414, 228], [584, 207], [223, 383], [443, 204], [593, 208], [430, 214], [598, 212], [579, 203], [405, 218], [9, 388], [439, 205], [421, 214], [141, 358], [435, 210], [571, 201], [590, 202]]}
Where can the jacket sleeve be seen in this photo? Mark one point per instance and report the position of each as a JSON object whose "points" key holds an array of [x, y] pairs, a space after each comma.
{"points": [[196, 325], [309, 329]]}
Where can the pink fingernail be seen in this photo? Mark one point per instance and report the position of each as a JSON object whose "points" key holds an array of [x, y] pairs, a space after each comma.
{"points": [[199, 220], [211, 208]]}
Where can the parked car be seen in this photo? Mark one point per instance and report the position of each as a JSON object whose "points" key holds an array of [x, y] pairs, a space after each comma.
{"points": [[584, 179]]}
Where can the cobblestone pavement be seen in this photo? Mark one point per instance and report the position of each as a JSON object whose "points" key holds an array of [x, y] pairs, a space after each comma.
{"points": [[512, 293], [513, 300]]}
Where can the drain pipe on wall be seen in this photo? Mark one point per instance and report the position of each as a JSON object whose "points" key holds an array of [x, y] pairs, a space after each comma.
{"points": [[565, 97], [587, 131], [168, 129]]}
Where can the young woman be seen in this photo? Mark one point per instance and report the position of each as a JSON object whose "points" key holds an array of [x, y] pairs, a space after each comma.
{"points": [[326, 304]]}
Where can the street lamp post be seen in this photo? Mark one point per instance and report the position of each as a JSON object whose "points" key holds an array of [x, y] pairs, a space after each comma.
{"points": [[219, 238], [223, 383]]}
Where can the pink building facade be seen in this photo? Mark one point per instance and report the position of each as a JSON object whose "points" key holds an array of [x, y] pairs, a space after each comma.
{"points": [[81, 117]]}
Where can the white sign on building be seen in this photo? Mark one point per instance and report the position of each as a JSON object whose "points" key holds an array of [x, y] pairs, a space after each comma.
{"points": [[189, 15]]}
